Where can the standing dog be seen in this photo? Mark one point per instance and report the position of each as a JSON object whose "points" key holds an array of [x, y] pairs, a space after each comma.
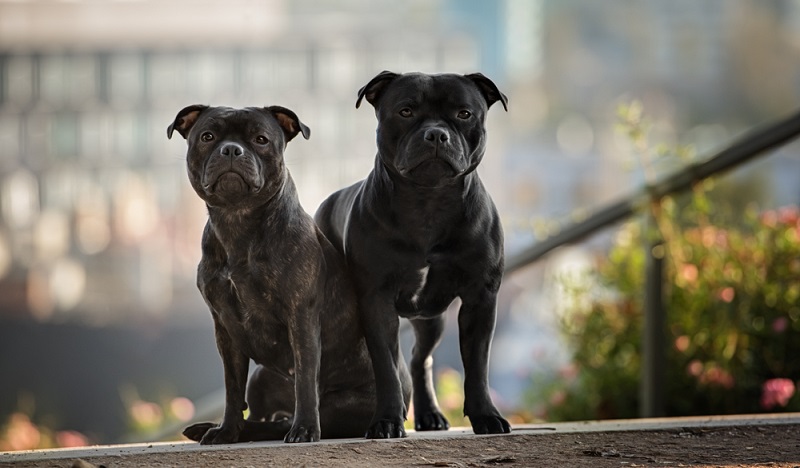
{"points": [[417, 233], [276, 287]]}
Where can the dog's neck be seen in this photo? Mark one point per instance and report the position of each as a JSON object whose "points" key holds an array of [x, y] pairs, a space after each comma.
{"points": [[426, 213], [392, 182], [241, 226]]}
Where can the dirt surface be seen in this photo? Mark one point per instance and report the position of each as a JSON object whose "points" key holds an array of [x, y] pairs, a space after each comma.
{"points": [[735, 446]]}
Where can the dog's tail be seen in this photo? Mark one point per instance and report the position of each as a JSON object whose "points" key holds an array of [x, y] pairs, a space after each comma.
{"points": [[251, 432]]}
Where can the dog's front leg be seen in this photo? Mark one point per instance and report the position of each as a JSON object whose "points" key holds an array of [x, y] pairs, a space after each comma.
{"points": [[476, 321], [235, 365], [381, 326], [304, 337]]}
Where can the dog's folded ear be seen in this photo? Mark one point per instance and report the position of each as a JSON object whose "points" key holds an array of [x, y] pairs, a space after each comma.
{"points": [[375, 87], [489, 90], [289, 122], [185, 120]]}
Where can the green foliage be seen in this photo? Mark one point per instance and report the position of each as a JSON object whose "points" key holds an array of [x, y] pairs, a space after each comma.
{"points": [[733, 312]]}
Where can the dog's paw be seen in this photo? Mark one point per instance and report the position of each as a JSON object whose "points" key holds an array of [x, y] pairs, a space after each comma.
{"points": [[196, 432], [302, 433], [490, 424], [386, 429], [221, 435], [431, 421]]}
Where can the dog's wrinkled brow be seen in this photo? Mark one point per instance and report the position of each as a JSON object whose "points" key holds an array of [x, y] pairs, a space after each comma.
{"points": [[213, 121]]}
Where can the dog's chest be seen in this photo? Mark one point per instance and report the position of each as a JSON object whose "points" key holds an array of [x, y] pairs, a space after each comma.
{"points": [[248, 306]]}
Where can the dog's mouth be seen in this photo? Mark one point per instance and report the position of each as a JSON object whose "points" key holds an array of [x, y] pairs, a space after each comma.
{"points": [[231, 178], [432, 171], [230, 183]]}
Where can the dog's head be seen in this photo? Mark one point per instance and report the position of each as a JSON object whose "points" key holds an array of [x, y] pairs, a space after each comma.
{"points": [[235, 156], [431, 127]]}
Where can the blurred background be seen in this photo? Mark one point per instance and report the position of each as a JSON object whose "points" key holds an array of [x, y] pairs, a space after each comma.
{"points": [[103, 335]]}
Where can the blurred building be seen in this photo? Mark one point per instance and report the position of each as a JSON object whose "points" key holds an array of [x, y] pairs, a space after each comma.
{"points": [[98, 219]]}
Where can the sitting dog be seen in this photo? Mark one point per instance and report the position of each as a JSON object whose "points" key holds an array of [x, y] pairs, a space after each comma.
{"points": [[276, 287], [417, 233]]}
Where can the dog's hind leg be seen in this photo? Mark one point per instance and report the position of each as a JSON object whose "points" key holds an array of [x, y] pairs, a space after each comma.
{"points": [[269, 393], [427, 414], [196, 432], [251, 431], [346, 413], [270, 399], [264, 430]]}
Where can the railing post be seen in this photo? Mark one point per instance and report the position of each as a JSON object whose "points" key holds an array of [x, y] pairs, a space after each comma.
{"points": [[651, 386]]}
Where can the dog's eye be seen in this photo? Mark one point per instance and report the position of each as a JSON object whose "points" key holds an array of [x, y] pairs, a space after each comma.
{"points": [[207, 136], [464, 114], [261, 140], [405, 112]]}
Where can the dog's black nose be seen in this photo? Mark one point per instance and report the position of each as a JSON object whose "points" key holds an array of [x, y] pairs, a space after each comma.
{"points": [[232, 150], [437, 135]]}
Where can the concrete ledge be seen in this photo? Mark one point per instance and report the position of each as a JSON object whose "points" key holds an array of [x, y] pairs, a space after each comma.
{"points": [[563, 428]]}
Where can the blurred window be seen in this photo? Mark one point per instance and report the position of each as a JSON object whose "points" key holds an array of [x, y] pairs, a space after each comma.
{"points": [[19, 80], [81, 79], [64, 136], [124, 142], [212, 78], [126, 79], [166, 77], [258, 72], [9, 141], [291, 69], [95, 136], [337, 68], [36, 130], [52, 79], [131, 139]]}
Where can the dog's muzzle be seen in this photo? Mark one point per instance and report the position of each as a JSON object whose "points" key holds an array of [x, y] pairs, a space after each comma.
{"points": [[231, 172], [431, 158]]}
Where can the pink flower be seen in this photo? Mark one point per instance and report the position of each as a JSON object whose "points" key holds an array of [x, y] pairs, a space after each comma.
{"points": [[695, 368], [717, 376], [568, 372], [71, 439], [682, 343], [776, 392], [727, 294], [21, 434], [709, 235], [689, 272], [769, 218], [558, 398], [780, 324], [788, 215], [182, 408]]}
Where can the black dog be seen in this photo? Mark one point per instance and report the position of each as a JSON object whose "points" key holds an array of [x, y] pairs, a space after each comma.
{"points": [[418, 232], [276, 287]]}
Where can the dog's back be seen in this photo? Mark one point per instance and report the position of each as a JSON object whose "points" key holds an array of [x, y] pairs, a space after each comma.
{"points": [[333, 212]]}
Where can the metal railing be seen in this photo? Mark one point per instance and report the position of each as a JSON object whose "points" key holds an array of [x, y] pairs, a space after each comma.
{"points": [[749, 146]]}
